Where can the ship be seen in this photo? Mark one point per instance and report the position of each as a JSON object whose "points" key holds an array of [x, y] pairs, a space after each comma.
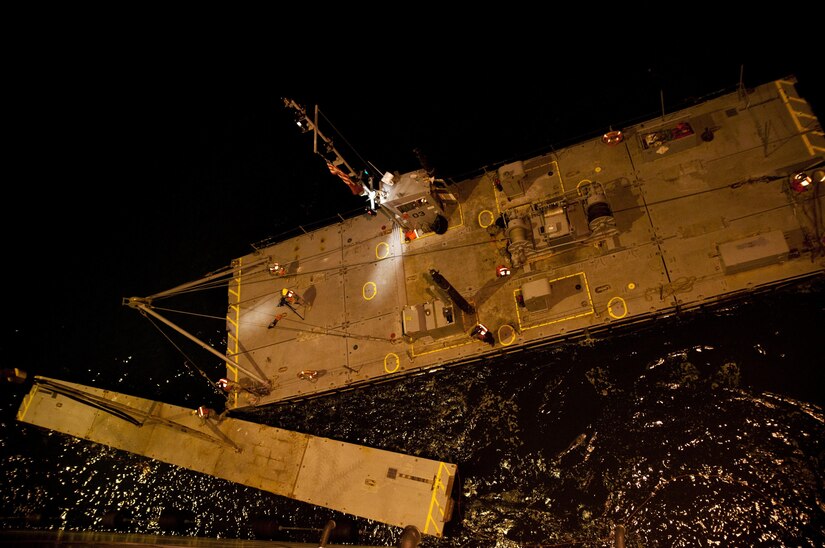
{"points": [[673, 214], [690, 210]]}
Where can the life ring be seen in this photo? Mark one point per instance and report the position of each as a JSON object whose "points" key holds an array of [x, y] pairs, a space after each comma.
{"points": [[612, 138]]}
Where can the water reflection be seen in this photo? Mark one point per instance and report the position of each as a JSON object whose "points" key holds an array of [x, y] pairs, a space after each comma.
{"points": [[704, 431]]}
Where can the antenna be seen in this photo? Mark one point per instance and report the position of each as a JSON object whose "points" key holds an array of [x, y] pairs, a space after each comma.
{"points": [[743, 93]]}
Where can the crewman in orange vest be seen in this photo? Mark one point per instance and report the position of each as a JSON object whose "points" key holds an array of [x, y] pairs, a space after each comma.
{"points": [[483, 334], [288, 296]]}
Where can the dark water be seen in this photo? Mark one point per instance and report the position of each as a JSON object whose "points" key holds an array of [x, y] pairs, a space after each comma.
{"points": [[705, 430], [702, 431]]}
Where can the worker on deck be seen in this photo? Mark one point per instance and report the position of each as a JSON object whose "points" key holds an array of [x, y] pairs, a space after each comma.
{"points": [[483, 334], [276, 319], [289, 297], [207, 413]]}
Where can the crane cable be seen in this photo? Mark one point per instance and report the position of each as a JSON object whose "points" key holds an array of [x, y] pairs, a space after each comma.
{"points": [[187, 361]]}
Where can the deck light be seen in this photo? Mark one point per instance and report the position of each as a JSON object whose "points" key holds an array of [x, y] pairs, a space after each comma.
{"points": [[801, 182]]}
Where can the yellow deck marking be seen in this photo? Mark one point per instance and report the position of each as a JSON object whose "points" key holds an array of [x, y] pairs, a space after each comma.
{"points": [[397, 362], [557, 172], [610, 304], [504, 329], [374, 291], [786, 99], [386, 246], [439, 484], [492, 218], [233, 344], [413, 354], [522, 327], [27, 401], [460, 216], [234, 308]]}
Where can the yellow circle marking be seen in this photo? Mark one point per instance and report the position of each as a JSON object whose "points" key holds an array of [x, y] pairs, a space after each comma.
{"points": [[502, 331], [598, 169], [372, 288], [610, 308], [386, 252], [492, 218], [397, 362], [631, 285]]}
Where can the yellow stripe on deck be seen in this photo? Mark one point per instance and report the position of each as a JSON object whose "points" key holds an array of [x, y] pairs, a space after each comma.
{"points": [[375, 484]]}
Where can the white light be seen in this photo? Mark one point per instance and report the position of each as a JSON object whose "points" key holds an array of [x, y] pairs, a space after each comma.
{"points": [[802, 179]]}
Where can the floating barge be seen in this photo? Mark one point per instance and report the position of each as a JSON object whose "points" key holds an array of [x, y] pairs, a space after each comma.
{"points": [[388, 487]]}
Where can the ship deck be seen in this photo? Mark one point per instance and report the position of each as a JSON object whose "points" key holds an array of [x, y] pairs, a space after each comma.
{"points": [[682, 210]]}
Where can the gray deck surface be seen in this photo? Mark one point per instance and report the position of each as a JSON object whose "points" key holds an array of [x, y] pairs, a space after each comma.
{"points": [[677, 208]]}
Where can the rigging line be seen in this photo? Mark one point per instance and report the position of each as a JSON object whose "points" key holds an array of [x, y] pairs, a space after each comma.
{"points": [[87, 399], [325, 331], [187, 360], [779, 140], [216, 278], [298, 330], [373, 166], [311, 332], [190, 286], [730, 186], [185, 313], [123, 411], [270, 279], [342, 137], [761, 179], [213, 284], [760, 212], [190, 291], [336, 333], [375, 261], [486, 242], [186, 430], [116, 408]]}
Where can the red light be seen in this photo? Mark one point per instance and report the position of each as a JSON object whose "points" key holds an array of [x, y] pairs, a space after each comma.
{"points": [[801, 182]]}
